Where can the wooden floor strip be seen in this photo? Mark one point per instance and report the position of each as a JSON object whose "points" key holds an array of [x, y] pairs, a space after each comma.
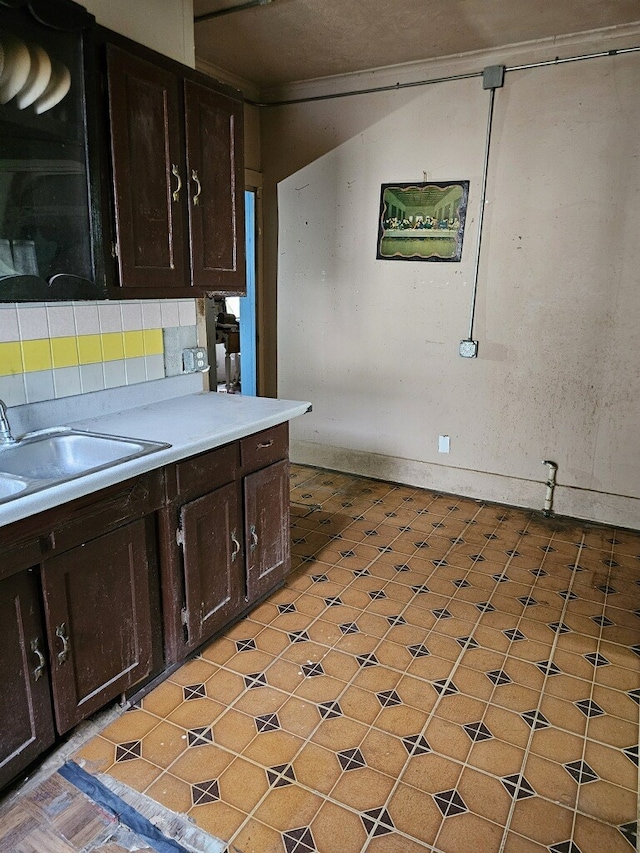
{"points": [[72, 812], [163, 830]]}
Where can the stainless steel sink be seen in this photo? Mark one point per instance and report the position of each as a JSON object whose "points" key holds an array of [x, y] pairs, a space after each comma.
{"points": [[50, 457], [11, 487]]}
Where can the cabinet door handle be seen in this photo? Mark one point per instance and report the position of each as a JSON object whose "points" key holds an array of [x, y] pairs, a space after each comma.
{"points": [[254, 537], [264, 444], [35, 648], [236, 546], [61, 633], [196, 179], [176, 173]]}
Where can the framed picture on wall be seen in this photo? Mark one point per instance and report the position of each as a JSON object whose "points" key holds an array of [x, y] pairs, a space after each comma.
{"points": [[422, 221]]}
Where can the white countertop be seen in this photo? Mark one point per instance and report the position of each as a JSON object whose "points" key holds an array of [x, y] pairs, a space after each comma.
{"points": [[190, 423]]}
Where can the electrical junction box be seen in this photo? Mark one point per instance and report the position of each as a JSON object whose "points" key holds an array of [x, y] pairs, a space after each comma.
{"points": [[468, 349], [194, 360], [493, 77]]}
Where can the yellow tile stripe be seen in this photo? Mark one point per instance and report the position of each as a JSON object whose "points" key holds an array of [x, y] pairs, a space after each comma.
{"points": [[10, 359], [153, 343], [36, 355], [46, 353]]}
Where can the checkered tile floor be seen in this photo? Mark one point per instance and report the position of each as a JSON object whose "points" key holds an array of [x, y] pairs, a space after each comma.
{"points": [[437, 674]]}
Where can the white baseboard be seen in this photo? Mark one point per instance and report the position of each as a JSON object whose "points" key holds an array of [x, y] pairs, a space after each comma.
{"points": [[598, 507]]}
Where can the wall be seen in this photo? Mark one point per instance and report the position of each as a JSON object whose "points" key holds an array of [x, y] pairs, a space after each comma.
{"points": [[374, 344], [59, 349], [163, 25]]}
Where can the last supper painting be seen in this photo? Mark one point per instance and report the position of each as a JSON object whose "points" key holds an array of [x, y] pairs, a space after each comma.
{"points": [[422, 221]]}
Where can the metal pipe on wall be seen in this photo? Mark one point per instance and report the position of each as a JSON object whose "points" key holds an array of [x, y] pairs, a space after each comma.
{"points": [[229, 10], [551, 484], [469, 347], [483, 199], [446, 79]]}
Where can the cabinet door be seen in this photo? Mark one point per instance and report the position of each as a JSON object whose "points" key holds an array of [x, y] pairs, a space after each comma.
{"points": [[97, 607], [216, 189], [267, 536], [213, 563], [148, 168], [26, 719]]}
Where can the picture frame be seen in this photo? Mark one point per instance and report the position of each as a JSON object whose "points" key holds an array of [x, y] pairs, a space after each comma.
{"points": [[422, 221]]}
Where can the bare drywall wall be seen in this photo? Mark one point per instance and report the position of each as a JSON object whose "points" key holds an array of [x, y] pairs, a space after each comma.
{"points": [[163, 25], [374, 344]]}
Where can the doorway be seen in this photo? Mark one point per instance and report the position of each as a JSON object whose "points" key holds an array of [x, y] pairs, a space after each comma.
{"points": [[231, 324]]}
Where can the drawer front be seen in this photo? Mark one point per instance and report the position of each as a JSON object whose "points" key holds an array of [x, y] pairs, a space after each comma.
{"points": [[24, 543], [131, 500], [21, 555], [264, 448], [207, 471]]}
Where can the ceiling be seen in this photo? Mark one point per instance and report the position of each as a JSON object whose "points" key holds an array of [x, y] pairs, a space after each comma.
{"points": [[293, 40]]}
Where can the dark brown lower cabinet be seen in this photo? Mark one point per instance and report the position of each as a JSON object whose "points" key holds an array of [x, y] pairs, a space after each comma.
{"points": [[231, 559], [213, 558], [26, 719], [79, 593], [266, 518], [97, 607], [225, 536]]}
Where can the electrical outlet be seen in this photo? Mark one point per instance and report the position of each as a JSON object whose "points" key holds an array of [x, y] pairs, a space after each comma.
{"points": [[444, 444], [468, 348], [194, 360]]}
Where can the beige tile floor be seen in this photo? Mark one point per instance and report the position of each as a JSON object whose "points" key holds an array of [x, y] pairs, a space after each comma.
{"points": [[437, 674]]}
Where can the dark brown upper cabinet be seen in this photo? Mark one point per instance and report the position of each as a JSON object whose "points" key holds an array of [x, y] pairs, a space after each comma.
{"points": [[216, 202], [50, 227], [176, 149], [125, 177], [148, 173]]}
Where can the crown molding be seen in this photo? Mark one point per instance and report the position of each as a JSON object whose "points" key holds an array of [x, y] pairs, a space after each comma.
{"points": [[543, 50], [248, 89]]}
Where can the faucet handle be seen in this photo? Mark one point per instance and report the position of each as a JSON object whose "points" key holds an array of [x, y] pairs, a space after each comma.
{"points": [[5, 429]]}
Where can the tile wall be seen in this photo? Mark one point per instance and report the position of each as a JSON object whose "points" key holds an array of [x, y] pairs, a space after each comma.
{"points": [[52, 350]]}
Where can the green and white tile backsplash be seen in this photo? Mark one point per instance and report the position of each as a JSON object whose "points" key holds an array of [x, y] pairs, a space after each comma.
{"points": [[51, 350]]}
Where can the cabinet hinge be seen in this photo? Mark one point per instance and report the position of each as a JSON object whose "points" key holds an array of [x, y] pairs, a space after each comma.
{"points": [[184, 617], [114, 250], [179, 537]]}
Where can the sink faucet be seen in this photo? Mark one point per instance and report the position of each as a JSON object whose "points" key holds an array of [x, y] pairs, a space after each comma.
{"points": [[5, 429]]}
